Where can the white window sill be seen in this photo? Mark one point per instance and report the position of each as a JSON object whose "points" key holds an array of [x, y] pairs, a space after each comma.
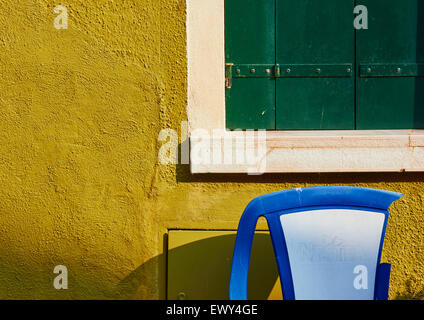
{"points": [[321, 151]]}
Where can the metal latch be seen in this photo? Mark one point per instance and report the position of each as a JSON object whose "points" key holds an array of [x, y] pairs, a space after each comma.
{"points": [[229, 75]]}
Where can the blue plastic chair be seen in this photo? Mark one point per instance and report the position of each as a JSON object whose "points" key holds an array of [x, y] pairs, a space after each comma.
{"points": [[327, 242]]}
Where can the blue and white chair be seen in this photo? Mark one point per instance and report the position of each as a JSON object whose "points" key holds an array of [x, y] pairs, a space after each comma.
{"points": [[327, 242]]}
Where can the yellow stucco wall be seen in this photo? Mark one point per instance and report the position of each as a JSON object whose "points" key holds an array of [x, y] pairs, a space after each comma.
{"points": [[80, 184]]}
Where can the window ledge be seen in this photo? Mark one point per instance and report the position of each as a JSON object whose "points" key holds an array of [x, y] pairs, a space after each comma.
{"points": [[316, 151]]}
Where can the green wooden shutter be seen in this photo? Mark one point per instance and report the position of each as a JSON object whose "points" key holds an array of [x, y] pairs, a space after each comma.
{"points": [[315, 53], [250, 47], [300, 65], [390, 54]]}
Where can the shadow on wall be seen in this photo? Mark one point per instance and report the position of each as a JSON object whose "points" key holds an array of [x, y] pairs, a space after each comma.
{"points": [[410, 294], [184, 175], [201, 269]]}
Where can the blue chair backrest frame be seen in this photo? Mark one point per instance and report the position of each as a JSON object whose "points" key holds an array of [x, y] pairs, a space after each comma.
{"points": [[273, 206]]}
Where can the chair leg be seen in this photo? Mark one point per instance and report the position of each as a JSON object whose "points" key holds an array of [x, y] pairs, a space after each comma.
{"points": [[382, 281]]}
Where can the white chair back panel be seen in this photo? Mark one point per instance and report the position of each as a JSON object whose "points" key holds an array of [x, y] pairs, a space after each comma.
{"points": [[333, 253]]}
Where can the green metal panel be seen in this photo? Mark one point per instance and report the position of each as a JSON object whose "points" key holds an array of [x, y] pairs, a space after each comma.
{"points": [[250, 44], [319, 35], [390, 88]]}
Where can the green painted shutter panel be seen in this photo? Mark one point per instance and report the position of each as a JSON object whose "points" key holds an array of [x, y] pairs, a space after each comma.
{"points": [[250, 47], [315, 53], [390, 57]]}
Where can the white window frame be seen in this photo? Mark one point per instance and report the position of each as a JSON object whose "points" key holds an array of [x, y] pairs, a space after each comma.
{"points": [[286, 151]]}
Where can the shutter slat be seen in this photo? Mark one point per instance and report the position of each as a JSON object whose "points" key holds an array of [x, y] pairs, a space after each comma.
{"points": [[315, 35], [250, 46], [390, 54]]}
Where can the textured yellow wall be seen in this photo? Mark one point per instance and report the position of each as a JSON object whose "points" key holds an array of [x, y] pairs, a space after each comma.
{"points": [[80, 185]]}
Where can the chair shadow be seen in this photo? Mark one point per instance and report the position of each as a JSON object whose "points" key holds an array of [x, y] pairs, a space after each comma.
{"points": [[409, 293], [200, 270]]}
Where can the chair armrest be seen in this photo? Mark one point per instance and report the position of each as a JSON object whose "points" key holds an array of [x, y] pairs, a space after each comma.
{"points": [[242, 250]]}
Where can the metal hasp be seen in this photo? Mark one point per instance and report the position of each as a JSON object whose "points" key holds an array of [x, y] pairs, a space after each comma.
{"points": [[302, 66], [327, 242], [228, 75]]}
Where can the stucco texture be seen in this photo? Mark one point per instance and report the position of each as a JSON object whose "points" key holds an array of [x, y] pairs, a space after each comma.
{"points": [[80, 184]]}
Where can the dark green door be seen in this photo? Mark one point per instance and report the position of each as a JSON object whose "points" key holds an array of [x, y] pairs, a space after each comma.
{"points": [[390, 55], [315, 53], [250, 46]]}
